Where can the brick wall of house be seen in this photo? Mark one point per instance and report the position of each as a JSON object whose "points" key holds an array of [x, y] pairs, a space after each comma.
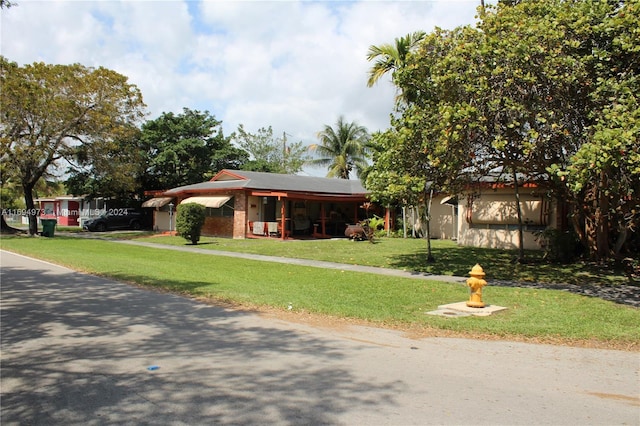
{"points": [[240, 215], [218, 227], [229, 227]]}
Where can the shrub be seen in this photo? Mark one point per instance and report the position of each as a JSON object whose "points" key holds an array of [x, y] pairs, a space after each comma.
{"points": [[376, 223], [559, 246], [190, 220]]}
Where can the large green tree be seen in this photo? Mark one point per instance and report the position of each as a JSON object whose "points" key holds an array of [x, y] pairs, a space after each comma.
{"points": [[604, 175], [270, 154], [538, 89], [48, 111], [576, 98], [529, 88], [400, 174], [342, 149], [186, 148], [421, 154], [109, 168]]}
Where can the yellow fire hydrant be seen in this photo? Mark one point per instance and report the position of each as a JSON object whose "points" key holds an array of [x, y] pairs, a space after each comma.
{"points": [[475, 283]]}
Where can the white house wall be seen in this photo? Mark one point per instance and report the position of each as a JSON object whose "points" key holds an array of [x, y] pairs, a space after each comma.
{"points": [[161, 220], [484, 236], [443, 219], [503, 209], [490, 220], [254, 210]]}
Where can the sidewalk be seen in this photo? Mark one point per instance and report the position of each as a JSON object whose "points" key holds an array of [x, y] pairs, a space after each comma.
{"points": [[303, 262]]}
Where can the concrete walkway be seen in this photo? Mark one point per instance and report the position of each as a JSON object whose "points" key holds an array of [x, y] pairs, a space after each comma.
{"points": [[302, 262]]}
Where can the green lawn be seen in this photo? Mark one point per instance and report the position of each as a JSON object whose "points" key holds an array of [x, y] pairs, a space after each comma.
{"points": [[540, 315], [410, 254]]}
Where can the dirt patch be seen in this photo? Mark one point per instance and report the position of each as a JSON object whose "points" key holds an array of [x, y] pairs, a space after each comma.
{"points": [[416, 332]]}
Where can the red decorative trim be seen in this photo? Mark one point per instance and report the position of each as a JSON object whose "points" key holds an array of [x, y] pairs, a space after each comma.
{"points": [[227, 173], [469, 212]]}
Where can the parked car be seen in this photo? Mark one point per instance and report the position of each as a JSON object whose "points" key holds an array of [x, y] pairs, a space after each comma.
{"points": [[115, 219]]}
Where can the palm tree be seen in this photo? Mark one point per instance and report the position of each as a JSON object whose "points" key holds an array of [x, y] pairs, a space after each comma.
{"points": [[390, 57], [342, 149]]}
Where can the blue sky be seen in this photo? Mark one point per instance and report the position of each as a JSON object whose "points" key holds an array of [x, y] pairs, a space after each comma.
{"points": [[295, 66]]}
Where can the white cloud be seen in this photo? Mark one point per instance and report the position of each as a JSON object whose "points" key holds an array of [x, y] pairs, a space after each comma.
{"points": [[292, 65]]}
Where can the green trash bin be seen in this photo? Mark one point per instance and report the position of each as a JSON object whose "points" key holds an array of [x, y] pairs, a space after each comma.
{"points": [[48, 227]]}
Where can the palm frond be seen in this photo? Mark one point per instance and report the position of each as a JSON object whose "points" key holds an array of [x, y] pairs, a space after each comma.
{"points": [[341, 147], [391, 57]]}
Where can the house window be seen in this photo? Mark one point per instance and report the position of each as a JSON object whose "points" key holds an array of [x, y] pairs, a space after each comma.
{"points": [[226, 210]]}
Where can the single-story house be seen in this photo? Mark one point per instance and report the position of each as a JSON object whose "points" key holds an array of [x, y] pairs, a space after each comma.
{"points": [[485, 215], [242, 204], [69, 210], [488, 213]]}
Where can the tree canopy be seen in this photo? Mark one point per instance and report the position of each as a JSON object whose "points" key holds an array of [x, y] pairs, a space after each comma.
{"points": [[546, 89], [269, 154], [49, 112], [187, 148], [109, 169]]}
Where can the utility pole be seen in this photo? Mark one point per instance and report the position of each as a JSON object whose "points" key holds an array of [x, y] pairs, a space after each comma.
{"points": [[284, 144]]}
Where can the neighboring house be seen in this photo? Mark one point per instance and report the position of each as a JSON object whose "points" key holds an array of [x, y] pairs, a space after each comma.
{"points": [[485, 215], [488, 215], [69, 210], [244, 204], [164, 211]]}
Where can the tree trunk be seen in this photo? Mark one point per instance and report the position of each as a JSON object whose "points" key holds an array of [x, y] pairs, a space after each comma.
{"points": [[602, 220], [519, 214], [578, 226], [404, 221], [6, 229], [31, 209], [416, 222], [591, 234], [597, 220], [430, 257], [622, 238]]}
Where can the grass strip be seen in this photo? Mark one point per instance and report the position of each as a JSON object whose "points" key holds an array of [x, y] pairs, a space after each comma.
{"points": [[541, 315], [410, 254]]}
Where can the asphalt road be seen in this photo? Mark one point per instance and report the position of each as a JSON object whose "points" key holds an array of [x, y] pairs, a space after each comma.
{"points": [[76, 351]]}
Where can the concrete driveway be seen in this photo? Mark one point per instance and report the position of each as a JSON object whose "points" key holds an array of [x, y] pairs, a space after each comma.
{"points": [[76, 350]]}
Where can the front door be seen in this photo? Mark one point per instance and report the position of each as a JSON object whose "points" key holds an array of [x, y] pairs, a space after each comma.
{"points": [[269, 209]]}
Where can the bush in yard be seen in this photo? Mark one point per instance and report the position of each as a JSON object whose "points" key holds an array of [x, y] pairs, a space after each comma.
{"points": [[190, 220], [559, 246]]}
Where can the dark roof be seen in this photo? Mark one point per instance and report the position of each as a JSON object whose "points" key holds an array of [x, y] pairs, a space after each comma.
{"points": [[237, 179]]}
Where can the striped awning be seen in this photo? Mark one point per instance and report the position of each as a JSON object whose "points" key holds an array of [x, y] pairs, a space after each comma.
{"points": [[213, 202], [157, 202]]}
